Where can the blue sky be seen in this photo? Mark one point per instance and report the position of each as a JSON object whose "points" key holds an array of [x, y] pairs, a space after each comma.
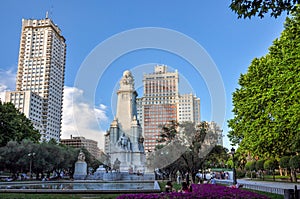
{"points": [[230, 42]]}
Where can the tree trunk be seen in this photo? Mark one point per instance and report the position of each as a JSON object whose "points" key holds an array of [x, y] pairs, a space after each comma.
{"points": [[293, 175], [280, 171]]}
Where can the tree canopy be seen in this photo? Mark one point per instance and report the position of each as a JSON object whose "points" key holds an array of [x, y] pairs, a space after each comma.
{"points": [[15, 126], [187, 147], [266, 119], [248, 9]]}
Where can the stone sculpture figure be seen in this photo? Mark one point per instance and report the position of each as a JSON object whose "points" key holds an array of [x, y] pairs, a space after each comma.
{"points": [[124, 142], [81, 156], [127, 78], [116, 165], [140, 144]]}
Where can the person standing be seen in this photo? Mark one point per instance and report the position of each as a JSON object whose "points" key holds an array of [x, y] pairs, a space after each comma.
{"points": [[178, 178], [187, 178]]}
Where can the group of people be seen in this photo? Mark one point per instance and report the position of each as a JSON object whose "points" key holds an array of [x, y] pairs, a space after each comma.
{"points": [[185, 187]]}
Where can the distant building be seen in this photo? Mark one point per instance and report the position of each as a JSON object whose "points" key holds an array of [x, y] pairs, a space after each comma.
{"points": [[188, 108], [28, 103], [80, 142], [40, 77], [215, 128], [162, 103]]}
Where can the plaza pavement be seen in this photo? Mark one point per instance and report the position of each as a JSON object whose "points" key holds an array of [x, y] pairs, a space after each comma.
{"points": [[282, 185]]}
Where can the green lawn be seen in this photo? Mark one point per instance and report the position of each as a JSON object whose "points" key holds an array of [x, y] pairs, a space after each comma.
{"points": [[270, 195]]}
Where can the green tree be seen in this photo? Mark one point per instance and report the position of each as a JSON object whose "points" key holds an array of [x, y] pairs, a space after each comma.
{"points": [[271, 165], [218, 156], [186, 148], [294, 164], [284, 163], [14, 156], [259, 166], [252, 165], [247, 9], [267, 104], [14, 126], [247, 166], [168, 132]]}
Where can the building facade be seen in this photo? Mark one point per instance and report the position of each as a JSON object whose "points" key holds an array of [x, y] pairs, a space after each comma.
{"points": [[80, 142], [41, 70], [188, 108], [162, 103], [217, 131], [28, 103], [158, 105]]}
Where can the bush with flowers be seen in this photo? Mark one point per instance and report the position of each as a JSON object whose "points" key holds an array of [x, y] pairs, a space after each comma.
{"points": [[199, 191]]}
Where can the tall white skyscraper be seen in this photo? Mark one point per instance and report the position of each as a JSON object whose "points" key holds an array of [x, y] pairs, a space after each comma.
{"points": [[41, 70]]}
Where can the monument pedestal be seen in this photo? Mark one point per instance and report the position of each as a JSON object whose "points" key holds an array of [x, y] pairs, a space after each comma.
{"points": [[80, 172]]}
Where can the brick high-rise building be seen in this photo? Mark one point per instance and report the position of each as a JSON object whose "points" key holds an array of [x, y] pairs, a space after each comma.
{"points": [[161, 103], [40, 77]]}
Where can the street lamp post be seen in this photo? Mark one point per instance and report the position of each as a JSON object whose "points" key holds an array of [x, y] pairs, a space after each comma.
{"points": [[233, 169], [30, 155]]}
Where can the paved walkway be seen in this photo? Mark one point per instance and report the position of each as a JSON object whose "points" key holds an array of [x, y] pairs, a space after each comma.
{"points": [[281, 185]]}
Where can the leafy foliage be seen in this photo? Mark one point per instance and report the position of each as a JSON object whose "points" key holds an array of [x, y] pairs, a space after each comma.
{"points": [[284, 162], [247, 9], [259, 166], [266, 119], [252, 165], [168, 132], [294, 162], [192, 146], [14, 126], [271, 164], [45, 157]]}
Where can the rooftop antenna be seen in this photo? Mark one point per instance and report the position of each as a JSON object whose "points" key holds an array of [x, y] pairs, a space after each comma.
{"points": [[49, 12]]}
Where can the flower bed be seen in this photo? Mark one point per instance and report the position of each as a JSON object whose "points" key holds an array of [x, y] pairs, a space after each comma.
{"points": [[200, 191]]}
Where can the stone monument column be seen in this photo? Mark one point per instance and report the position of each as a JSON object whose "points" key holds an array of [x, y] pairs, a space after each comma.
{"points": [[125, 141], [126, 104], [80, 167]]}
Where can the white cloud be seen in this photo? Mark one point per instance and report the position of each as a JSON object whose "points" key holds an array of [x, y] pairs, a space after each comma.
{"points": [[7, 82], [80, 118]]}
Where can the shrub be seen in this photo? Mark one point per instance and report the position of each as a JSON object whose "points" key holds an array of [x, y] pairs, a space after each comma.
{"points": [[260, 165], [240, 173], [271, 164], [248, 174], [294, 162], [284, 162], [252, 165], [247, 166]]}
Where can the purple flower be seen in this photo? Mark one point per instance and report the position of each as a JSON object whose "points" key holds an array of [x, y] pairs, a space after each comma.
{"points": [[205, 191]]}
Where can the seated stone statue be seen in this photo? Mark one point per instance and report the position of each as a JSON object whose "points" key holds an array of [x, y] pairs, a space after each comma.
{"points": [[116, 165]]}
